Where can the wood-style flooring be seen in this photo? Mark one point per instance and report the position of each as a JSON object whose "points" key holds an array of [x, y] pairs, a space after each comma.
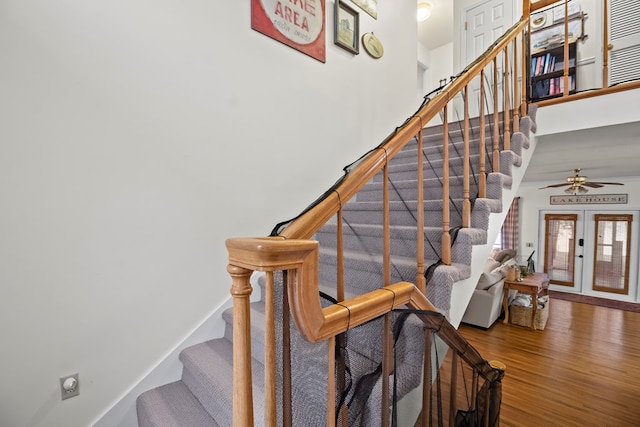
{"points": [[583, 369]]}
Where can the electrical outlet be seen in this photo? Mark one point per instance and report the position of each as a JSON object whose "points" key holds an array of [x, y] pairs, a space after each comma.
{"points": [[70, 386]]}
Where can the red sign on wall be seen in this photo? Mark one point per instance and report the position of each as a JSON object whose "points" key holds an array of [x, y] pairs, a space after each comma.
{"points": [[296, 23]]}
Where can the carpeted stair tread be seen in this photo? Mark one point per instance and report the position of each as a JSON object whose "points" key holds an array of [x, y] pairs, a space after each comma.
{"points": [[172, 405], [370, 239], [407, 189], [208, 373]]}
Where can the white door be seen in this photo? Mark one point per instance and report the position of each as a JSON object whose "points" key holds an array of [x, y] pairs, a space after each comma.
{"points": [[624, 40], [594, 252], [484, 23]]}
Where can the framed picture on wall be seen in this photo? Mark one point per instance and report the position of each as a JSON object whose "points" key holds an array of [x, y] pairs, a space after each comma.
{"points": [[346, 27], [369, 6], [299, 25]]}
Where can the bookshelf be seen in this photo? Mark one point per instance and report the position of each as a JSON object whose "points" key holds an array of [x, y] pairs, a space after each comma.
{"points": [[547, 71]]}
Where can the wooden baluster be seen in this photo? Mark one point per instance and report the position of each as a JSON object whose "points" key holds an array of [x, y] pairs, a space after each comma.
{"points": [[242, 382], [420, 280], [386, 228], [566, 49], [482, 183], [516, 98], [446, 220], [270, 414], [507, 103], [474, 388], [340, 366], [331, 383], [340, 256], [454, 388], [287, 413], [426, 379], [466, 203], [387, 281], [496, 122], [525, 76], [387, 367]]}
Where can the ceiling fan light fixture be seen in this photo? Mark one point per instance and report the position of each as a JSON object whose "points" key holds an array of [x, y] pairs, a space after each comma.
{"points": [[578, 183], [424, 11]]}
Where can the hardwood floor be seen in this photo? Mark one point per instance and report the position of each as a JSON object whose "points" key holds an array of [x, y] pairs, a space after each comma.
{"points": [[583, 369]]}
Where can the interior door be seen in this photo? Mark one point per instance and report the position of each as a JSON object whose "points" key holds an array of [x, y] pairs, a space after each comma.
{"points": [[484, 23], [562, 238], [591, 252], [611, 258], [624, 41]]}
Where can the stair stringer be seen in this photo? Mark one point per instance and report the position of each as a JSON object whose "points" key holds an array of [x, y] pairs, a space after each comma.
{"points": [[462, 290]]}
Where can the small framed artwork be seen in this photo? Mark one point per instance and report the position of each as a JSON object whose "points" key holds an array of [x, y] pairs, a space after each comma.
{"points": [[346, 27], [369, 6]]}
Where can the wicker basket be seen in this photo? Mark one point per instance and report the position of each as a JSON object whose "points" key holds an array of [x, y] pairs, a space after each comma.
{"points": [[519, 315]]}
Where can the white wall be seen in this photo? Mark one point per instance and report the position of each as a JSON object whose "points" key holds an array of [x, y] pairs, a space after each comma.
{"points": [[441, 60], [136, 137]]}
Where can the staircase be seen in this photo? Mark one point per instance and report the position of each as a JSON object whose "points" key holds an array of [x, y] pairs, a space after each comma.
{"points": [[203, 397]]}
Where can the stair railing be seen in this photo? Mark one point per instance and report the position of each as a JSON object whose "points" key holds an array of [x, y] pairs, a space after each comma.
{"points": [[300, 259], [290, 250], [507, 75]]}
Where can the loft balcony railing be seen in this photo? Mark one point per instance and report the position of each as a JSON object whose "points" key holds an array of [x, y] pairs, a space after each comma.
{"points": [[600, 39]]}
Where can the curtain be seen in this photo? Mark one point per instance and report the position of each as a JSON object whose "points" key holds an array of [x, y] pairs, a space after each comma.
{"points": [[510, 235]]}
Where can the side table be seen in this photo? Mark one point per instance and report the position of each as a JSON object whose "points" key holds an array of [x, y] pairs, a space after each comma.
{"points": [[534, 284]]}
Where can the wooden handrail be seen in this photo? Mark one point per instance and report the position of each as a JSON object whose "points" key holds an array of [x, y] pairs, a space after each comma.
{"points": [[306, 225], [316, 323]]}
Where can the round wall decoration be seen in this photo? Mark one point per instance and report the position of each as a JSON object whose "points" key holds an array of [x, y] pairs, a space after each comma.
{"points": [[538, 20], [372, 45]]}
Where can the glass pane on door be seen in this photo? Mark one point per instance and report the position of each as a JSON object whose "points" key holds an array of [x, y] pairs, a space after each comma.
{"points": [[611, 260], [559, 257]]}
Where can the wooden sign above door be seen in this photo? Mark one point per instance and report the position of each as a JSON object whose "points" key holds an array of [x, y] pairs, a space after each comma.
{"points": [[591, 199]]}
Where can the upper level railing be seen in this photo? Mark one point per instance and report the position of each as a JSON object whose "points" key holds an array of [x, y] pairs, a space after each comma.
{"points": [[600, 39]]}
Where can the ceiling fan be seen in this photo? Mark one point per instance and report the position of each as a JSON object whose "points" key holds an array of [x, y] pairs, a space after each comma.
{"points": [[578, 183]]}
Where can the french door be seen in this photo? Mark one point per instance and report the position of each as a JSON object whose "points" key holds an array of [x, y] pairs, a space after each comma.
{"points": [[591, 252]]}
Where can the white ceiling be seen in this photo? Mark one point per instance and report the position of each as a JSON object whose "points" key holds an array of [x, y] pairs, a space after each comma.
{"points": [[438, 29], [607, 153]]}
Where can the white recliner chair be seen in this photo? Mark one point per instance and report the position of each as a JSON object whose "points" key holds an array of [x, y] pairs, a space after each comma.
{"points": [[485, 305]]}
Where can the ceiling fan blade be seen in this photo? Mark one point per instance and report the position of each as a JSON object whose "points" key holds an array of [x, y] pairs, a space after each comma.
{"points": [[607, 183], [557, 185], [593, 184]]}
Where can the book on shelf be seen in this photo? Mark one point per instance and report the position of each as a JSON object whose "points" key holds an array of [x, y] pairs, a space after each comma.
{"points": [[547, 62], [539, 65], [560, 65]]}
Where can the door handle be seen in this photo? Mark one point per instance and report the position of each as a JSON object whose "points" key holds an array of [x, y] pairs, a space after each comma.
{"points": [[580, 256]]}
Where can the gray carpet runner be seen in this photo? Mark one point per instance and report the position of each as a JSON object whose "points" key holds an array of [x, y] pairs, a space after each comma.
{"points": [[203, 396]]}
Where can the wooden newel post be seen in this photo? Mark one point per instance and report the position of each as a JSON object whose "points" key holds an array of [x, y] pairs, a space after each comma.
{"points": [[242, 382]]}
